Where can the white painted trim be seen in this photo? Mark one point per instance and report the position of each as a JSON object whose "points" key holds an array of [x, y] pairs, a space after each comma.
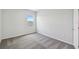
{"points": [[75, 30], [57, 39], [15, 36]]}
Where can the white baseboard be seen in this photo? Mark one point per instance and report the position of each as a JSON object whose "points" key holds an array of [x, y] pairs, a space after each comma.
{"points": [[15, 36], [57, 39]]}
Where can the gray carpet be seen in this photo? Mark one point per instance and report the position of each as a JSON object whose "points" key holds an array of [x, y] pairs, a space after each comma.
{"points": [[34, 41]]}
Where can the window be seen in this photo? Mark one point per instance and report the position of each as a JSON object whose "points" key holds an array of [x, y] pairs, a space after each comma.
{"points": [[30, 18]]}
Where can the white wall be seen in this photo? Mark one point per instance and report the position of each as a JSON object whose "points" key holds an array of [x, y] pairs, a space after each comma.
{"points": [[14, 23], [56, 24], [0, 25]]}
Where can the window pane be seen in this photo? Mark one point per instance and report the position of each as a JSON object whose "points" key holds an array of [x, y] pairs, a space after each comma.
{"points": [[30, 18]]}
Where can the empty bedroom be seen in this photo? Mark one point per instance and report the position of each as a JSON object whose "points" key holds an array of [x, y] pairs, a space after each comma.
{"points": [[37, 29]]}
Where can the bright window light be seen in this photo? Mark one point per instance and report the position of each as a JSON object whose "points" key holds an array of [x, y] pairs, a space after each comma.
{"points": [[30, 18]]}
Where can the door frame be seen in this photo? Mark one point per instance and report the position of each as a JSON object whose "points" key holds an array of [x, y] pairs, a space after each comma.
{"points": [[75, 28]]}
